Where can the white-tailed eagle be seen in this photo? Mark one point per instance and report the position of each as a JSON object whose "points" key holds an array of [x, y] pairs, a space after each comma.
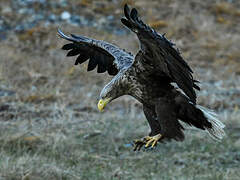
{"points": [[148, 77]]}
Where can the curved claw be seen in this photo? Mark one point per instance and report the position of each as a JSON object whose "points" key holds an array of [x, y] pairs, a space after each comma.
{"points": [[153, 140], [138, 146], [139, 143], [147, 141]]}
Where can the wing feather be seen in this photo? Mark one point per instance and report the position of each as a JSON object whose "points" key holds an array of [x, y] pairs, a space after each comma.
{"points": [[73, 52], [127, 12], [103, 55], [68, 46], [159, 52], [92, 63], [81, 58]]}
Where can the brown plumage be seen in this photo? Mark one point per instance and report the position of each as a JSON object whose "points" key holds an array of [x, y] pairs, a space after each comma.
{"points": [[148, 77]]}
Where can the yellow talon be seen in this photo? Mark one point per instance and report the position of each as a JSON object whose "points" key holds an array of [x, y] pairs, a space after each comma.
{"points": [[153, 140], [154, 143], [138, 143], [147, 141], [146, 138], [142, 140]]}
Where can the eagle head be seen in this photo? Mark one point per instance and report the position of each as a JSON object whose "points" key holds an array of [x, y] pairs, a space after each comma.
{"points": [[111, 91]]}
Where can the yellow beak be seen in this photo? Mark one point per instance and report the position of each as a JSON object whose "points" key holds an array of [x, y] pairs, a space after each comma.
{"points": [[102, 103]]}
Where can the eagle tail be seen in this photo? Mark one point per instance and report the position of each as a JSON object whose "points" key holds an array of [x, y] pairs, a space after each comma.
{"points": [[216, 131]]}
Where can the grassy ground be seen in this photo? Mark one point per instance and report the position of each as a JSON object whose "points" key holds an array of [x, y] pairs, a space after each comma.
{"points": [[49, 124]]}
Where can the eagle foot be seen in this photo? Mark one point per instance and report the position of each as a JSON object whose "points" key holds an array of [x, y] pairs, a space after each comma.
{"points": [[139, 143], [147, 141], [152, 140]]}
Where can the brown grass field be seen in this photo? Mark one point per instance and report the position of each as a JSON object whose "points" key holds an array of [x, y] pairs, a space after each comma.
{"points": [[50, 127]]}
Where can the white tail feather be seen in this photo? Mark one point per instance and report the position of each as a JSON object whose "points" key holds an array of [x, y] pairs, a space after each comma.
{"points": [[216, 132]]}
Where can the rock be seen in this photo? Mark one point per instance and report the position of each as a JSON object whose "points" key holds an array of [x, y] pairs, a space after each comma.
{"points": [[110, 17], [102, 21], [39, 17], [119, 32], [29, 2], [75, 20], [6, 92], [26, 11], [2, 36], [19, 28], [52, 18], [25, 26], [4, 107], [65, 15], [32, 13], [63, 3], [84, 21], [6, 10]]}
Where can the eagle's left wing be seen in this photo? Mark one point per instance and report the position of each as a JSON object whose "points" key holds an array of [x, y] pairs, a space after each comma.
{"points": [[101, 55], [160, 53]]}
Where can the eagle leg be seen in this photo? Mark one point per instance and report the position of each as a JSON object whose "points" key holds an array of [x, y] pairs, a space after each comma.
{"points": [[152, 140]]}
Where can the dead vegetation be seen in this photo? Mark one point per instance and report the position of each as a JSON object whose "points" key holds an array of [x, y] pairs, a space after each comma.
{"points": [[49, 124]]}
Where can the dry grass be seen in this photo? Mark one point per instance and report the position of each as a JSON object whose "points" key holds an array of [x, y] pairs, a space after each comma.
{"points": [[51, 129]]}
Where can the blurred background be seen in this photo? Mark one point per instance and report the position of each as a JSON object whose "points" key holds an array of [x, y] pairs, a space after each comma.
{"points": [[50, 127]]}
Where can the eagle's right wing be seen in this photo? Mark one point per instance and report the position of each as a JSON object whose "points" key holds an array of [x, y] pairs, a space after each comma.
{"points": [[102, 54]]}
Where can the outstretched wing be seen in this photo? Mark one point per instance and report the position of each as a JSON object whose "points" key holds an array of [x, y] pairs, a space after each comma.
{"points": [[160, 53], [104, 56]]}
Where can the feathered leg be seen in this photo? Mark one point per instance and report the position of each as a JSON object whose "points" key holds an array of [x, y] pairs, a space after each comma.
{"points": [[168, 120], [151, 116]]}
